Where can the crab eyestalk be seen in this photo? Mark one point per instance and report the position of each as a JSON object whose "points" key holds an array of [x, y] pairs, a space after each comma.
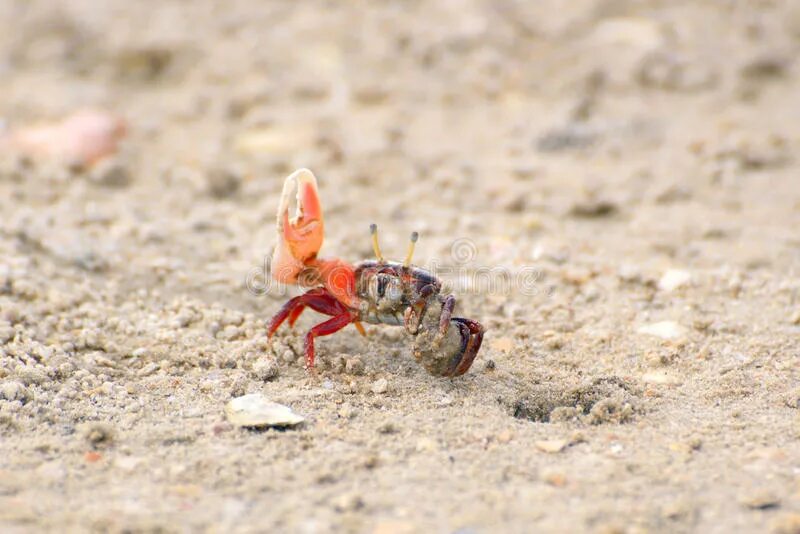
{"points": [[299, 237]]}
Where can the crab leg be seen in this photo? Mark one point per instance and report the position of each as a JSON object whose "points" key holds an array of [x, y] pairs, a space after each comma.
{"points": [[323, 329], [319, 300]]}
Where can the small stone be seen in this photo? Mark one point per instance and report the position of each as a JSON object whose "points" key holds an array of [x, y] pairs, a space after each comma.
{"points": [[346, 411], [677, 509], [553, 340], [128, 464], [760, 500], [426, 445], [564, 414], [570, 137], [593, 209], [97, 433], [31, 375], [555, 478], [256, 411], [663, 329], [348, 502], [505, 436], [673, 72], [674, 279], [380, 386], [770, 65], [15, 391], [792, 399], [551, 445], [147, 370], [92, 457], [660, 377], [223, 182], [354, 366], [388, 428], [795, 318], [265, 369], [610, 411], [110, 173]]}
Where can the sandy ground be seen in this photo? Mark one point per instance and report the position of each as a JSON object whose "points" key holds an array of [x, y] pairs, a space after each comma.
{"points": [[627, 169]]}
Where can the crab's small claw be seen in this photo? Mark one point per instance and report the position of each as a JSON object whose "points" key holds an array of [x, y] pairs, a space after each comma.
{"points": [[299, 237]]}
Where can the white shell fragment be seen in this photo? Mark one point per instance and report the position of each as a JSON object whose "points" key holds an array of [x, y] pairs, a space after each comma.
{"points": [[663, 329], [674, 279], [255, 410]]}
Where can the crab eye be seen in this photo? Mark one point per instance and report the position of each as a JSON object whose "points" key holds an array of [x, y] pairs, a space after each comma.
{"points": [[394, 290]]}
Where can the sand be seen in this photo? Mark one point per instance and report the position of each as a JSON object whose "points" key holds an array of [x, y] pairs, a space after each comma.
{"points": [[611, 188]]}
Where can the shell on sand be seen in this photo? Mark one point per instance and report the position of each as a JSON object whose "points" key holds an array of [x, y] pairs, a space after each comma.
{"points": [[255, 410]]}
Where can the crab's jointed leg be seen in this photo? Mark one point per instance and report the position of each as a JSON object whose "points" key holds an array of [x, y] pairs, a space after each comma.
{"points": [[320, 300]]}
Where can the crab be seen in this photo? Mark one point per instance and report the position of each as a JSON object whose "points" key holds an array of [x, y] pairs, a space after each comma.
{"points": [[371, 291]]}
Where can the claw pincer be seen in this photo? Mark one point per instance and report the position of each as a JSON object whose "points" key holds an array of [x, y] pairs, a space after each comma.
{"points": [[377, 292]]}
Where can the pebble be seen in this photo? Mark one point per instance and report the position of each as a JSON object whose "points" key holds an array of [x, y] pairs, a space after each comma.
{"points": [[265, 369], [388, 428], [660, 377], [674, 279], [594, 208], [97, 433], [792, 399], [551, 445], [31, 375], [255, 410], [426, 445], [147, 370], [15, 391], [223, 182], [346, 411], [760, 500], [354, 366], [348, 502], [555, 478], [380, 386], [663, 329], [110, 173], [674, 72]]}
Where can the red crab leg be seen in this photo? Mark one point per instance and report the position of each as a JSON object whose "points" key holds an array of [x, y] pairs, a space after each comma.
{"points": [[323, 329], [295, 314], [317, 299], [320, 300]]}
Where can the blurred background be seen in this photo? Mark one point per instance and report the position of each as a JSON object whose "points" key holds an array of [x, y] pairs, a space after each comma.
{"points": [[641, 155]]}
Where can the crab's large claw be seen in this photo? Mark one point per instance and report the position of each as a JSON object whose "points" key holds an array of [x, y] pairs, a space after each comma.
{"points": [[299, 237]]}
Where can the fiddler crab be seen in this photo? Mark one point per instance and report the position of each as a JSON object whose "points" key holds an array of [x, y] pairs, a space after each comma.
{"points": [[372, 291]]}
